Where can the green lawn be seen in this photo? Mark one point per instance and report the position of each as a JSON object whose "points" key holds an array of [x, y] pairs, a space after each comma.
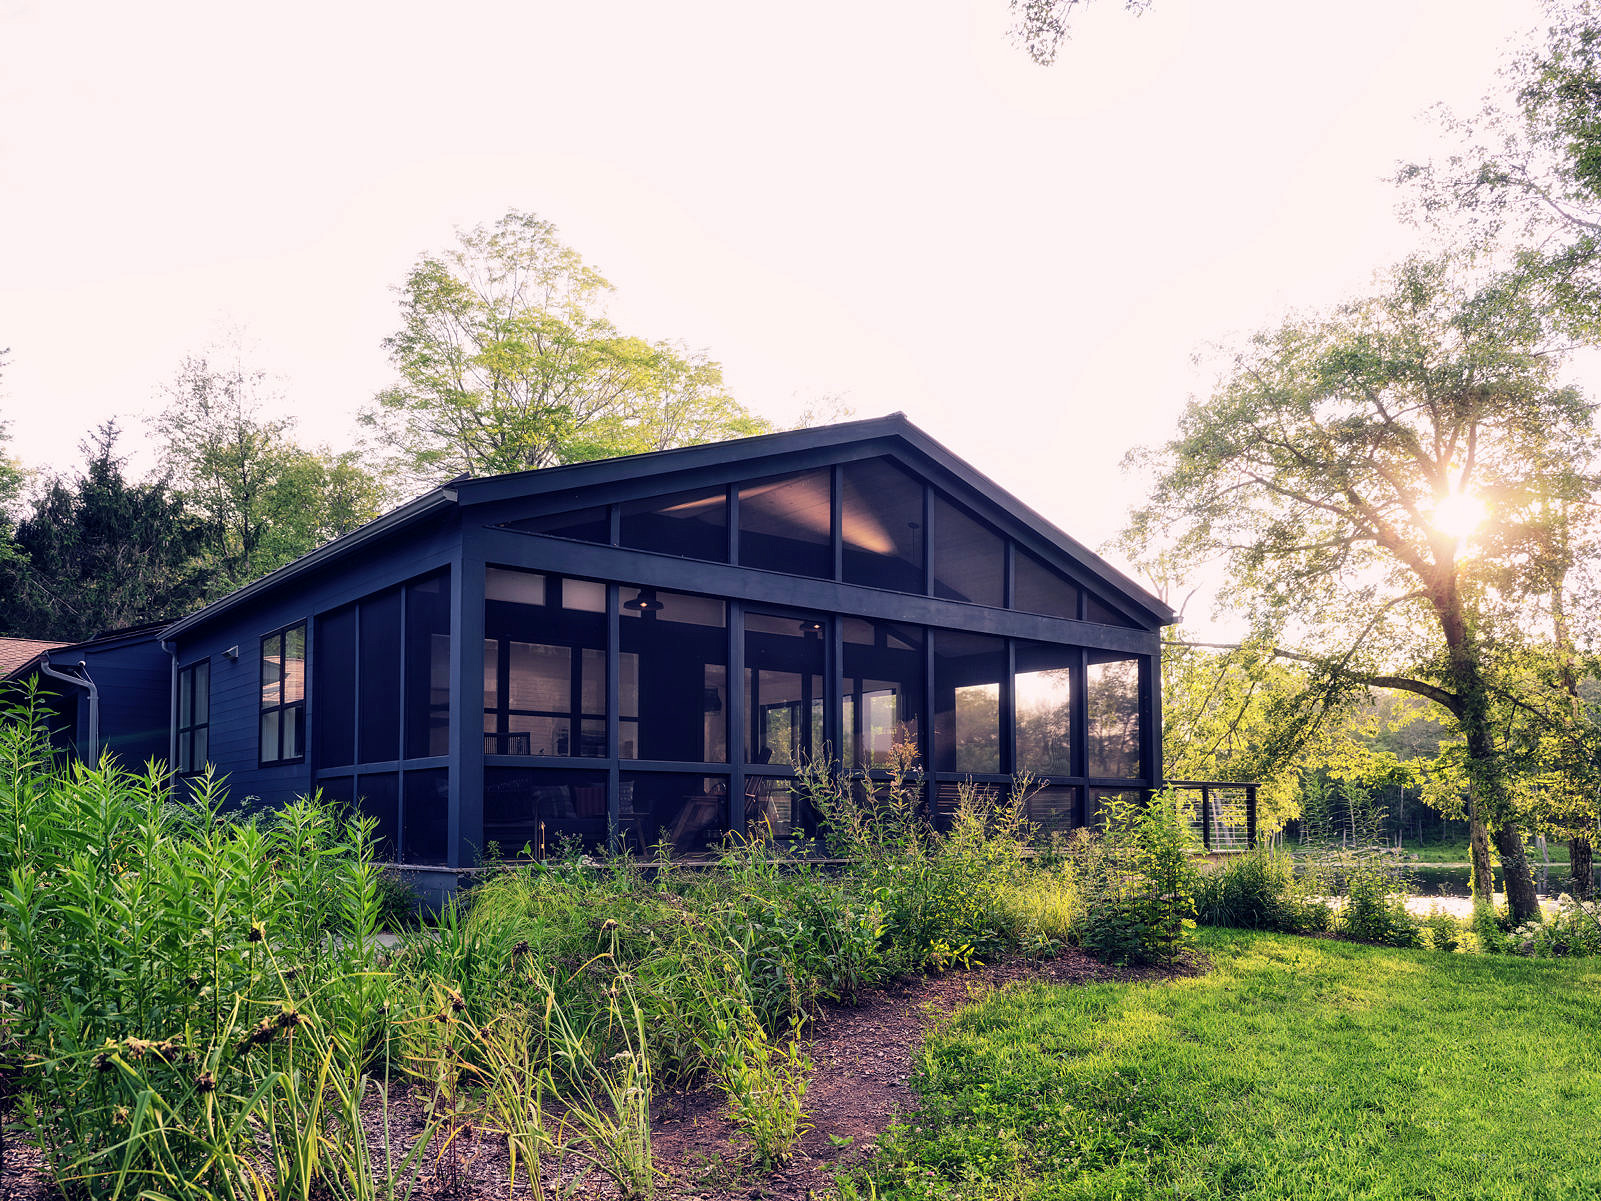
{"points": [[1462, 852], [1296, 1068]]}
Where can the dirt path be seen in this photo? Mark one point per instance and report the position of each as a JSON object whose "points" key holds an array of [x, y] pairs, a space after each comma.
{"points": [[863, 1059]]}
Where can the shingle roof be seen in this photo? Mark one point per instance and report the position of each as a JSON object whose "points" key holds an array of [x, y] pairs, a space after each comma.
{"points": [[17, 652]]}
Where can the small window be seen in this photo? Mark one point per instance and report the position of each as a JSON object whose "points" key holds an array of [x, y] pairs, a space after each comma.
{"points": [[194, 717], [283, 696]]}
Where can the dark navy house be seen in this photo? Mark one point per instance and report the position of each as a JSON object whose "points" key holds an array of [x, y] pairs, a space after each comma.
{"points": [[637, 651]]}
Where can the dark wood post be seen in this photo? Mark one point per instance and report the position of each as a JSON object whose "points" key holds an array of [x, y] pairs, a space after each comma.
{"points": [[1250, 815], [1206, 818]]}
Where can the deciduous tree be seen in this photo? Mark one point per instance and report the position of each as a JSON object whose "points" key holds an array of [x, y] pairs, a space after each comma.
{"points": [[505, 360], [1376, 480]]}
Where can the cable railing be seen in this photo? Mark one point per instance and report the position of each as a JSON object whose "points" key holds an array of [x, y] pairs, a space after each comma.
{"points": [[1224, 814]]}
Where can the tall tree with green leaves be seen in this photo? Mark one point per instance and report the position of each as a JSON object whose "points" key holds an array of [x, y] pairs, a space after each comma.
{"points": [[100, 552], [505, 360], [262, 499], [1374, 478]]}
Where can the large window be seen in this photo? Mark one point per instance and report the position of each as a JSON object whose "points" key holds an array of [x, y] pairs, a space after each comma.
{"points": [[194, 717], [586, 525], [784, 666], [1043, 706], [968, 670], [882, 701], [1038, 589], [881, 524], [544, 665], [283, 696], [691, 524], [786, 524], [674, 677], [1112, 703], [969, 557]]}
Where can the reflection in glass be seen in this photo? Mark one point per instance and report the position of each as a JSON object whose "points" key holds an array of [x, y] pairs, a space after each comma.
{"points": [[784, 665], [786, 524], [881, 525], [883, 690], [544, 665], [686, 813], [528, 811], [776, 811], [1044, 708], [1112, 704], [968, 670], [969, 557], [674, 677], [1038, 589], [693, 525]]}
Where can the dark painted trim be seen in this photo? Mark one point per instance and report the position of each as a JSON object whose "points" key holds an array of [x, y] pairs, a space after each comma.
{"points": [[540, 553]]}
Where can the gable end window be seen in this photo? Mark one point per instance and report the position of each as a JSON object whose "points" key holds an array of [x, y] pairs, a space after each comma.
{"points": [[283, 696], [194, 717]]}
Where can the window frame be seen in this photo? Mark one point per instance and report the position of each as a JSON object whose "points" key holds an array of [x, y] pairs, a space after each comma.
{"points": [[186, 680], [282, 707]]}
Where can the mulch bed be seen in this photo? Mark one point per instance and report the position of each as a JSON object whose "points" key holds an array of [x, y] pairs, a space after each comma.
{"points": [[864, 1056]]}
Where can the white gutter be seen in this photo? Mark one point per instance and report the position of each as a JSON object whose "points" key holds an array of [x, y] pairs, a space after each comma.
{"points": [[83, 682]]}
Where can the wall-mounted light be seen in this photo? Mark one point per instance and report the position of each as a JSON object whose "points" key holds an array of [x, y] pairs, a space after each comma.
{"points": [[232, 653], [645, 602]]}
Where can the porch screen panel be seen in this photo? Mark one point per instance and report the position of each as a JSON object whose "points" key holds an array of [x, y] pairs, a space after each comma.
{"points": [[531, 812], [378, 734], [1112, 704], [969, 557], [334, 687], [674, 673], [693, 525], [784, 665], [425, 816], [968, 670], [686, 813], [1043, 708], [378, 797], [428, 667], [882, 526], [544, 665], [1037, 588], [787, 524], [882, 698]]}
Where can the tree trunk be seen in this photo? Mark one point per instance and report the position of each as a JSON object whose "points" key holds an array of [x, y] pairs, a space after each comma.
{"points": [[1521, 899], [1581, 866], [1483, 876]]}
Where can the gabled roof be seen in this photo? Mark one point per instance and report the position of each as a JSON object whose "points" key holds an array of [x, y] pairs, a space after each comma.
{"points": [[893, 434]]}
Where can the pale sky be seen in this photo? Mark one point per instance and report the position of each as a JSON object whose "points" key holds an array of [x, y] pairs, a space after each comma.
{"points": [[884, 200]]}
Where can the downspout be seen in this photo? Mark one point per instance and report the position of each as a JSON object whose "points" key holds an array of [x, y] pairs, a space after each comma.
{"points": [[94, 697]]}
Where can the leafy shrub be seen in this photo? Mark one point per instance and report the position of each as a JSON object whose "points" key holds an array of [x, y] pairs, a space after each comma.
{"points": [[1573, 929], [1374, 913], [1134, 882], [1441, 932], [1258, 891], [1488, 928]]}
